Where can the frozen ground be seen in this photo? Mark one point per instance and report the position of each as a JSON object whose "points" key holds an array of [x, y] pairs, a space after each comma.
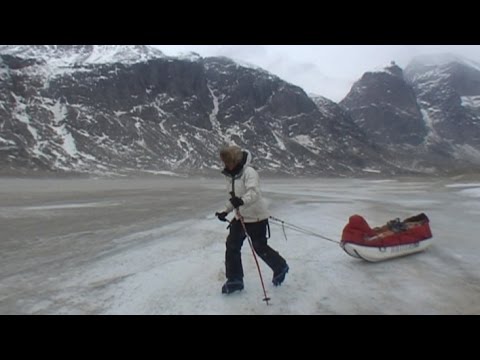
{"points": [[153, 246]]}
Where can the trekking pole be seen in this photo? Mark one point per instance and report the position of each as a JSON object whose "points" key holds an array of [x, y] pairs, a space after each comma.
{"points": [[266, 298]]}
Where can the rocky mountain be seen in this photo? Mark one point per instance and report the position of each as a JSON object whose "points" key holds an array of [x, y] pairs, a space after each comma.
{"points": [[425, 117], [120, 109], [449, 94], [385, 106], [164, 114]]}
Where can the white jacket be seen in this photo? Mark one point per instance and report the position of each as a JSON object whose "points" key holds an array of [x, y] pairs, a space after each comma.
{"points": [[247, 187]]}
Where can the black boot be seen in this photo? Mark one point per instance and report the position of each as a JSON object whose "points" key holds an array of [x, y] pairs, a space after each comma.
{"points": [[232, 285], [278, 277]]}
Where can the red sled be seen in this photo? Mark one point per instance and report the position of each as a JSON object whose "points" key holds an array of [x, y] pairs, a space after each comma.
{"points": [[394, 239]]}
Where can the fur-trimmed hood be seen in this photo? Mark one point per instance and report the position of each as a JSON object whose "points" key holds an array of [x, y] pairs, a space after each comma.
{"points": [[238, 170]]}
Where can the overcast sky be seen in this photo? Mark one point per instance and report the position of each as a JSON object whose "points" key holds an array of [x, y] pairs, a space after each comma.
{"points": [[327, 70]]}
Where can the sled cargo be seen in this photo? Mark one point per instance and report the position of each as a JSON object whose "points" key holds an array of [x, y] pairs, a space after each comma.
{"points": [[394, 239]]}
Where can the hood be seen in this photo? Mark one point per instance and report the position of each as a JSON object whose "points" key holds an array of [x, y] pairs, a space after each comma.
{"points": [[238, 170]]}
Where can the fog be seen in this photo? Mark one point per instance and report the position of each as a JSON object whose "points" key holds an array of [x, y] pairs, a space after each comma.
{"points": [[327, 70]]}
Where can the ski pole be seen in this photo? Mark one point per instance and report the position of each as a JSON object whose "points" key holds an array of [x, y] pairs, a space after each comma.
{"points": [[266, 298]]}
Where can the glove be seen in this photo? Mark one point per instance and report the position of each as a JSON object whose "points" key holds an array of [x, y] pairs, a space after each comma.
{"points": [[236, 202], [221, 216]]}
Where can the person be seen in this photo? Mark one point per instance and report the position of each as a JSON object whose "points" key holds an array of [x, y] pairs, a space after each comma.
{"points": [[245, 198]]}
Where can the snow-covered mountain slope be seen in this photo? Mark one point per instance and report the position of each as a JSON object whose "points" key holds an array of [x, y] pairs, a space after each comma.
{"points": [[166, 114], [69, 55], [118, 108]]}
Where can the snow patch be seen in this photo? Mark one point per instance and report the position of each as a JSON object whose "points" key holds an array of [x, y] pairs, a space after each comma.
{"points": [[68, 142], [6, 141], [432, 135], [467, 152], [471, 192], [307, 142], [6, 144], [371, 170], [71, 206], [162, 172], [214, 113], [59, 112], [280, 143], [463, 185], [471, 101]]}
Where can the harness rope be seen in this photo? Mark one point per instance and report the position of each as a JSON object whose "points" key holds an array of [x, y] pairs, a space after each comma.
{"points": [[299, 229]]}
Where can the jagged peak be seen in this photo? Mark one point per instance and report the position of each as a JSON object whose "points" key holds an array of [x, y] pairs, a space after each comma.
{"points": [[391, 69], [394, 70]]}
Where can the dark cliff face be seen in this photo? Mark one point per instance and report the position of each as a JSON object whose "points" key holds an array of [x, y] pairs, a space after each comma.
{"points": [[385, 107], [449, 94], [425, 118]]}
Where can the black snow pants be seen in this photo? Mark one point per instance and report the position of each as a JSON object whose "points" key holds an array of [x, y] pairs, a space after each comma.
{"points": [[258, 233]]}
